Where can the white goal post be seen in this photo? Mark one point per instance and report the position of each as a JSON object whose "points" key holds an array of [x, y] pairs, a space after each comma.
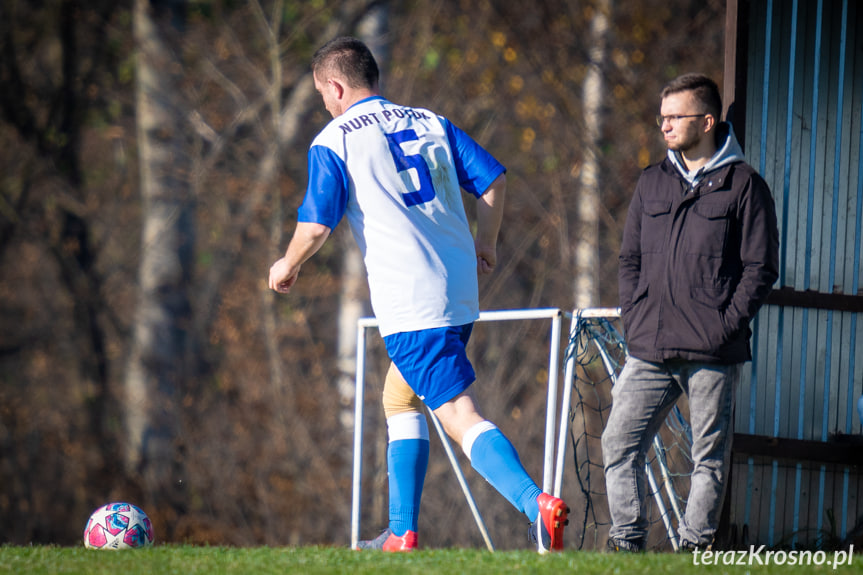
{"points": [[553, 314]]}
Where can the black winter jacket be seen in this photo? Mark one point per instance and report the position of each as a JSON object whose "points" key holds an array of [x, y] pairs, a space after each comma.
{"points": [[695, 266]]}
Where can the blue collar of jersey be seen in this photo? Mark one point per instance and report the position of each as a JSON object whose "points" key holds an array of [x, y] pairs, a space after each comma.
{"points": [[364, 100]]}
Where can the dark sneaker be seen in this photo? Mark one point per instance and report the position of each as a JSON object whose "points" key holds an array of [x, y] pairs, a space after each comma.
{"points": [[547, 530], [687, 546], [387, 541], [615, 545]]}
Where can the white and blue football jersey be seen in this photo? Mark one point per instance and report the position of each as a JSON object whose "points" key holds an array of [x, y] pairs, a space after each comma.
{"points": [[396, 172]]}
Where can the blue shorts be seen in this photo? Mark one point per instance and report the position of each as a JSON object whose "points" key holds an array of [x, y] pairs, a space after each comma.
{"points": [[433, 362]]}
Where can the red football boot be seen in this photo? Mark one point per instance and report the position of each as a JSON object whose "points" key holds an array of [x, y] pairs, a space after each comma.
{"points": [[388, 541], [553, 517]]}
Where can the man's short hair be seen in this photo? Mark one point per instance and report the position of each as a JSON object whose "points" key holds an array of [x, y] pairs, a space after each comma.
{"points": [[703, 89], [348, 57]]}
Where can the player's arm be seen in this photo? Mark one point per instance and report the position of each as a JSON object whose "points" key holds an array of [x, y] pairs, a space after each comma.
{"points": [[474, 165], [307, 240], [489, 217]]}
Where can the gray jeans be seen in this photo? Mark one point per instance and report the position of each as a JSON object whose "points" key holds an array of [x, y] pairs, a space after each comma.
{"points": [[643, 395]]}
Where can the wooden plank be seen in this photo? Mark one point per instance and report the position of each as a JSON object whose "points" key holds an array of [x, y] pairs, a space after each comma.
{"points": [[729, 76], [834, 503], [761, 501], [783, 357], [846, 517], [839, 449], [830, 379], [819, 356], [812, 391], [777, 98], [737, 498], [772, 495], [843, 153], [755, 374], [757, 394], [825, 188], [810, 518], [790, 378], [844, 379], [808, 355], [785, 502], [798, 149], [801, 511], [749, 516], [766, 368], [739, 492], [795, 500], [855, 106], [799, 214], [815, 300], [836, 423], [819, 204], [766, 392], [754, 82]]}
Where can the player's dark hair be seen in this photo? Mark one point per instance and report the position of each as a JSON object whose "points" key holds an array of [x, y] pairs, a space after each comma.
{"points": [[703, 89], [351, 58]]}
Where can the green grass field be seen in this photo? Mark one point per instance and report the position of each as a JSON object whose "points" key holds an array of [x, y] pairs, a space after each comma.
{"points": [[186, 560]]}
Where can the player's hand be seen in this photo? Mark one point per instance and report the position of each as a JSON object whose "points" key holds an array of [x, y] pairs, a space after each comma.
{"points": [[282, 276], [486, 259]]}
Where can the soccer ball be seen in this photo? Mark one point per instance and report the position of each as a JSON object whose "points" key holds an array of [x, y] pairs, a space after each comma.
{"points": [[118, 526]]}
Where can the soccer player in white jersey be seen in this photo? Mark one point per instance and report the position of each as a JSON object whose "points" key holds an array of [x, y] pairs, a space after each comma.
{"points": [[397, 173]]}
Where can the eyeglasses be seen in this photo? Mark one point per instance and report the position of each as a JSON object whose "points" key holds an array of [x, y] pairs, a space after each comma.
{"points": [[674, 118]]}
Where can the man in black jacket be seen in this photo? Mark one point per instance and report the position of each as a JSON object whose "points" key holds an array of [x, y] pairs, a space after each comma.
{"points": [[699, 255]]}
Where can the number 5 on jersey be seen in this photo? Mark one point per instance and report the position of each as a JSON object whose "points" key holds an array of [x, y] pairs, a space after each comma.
{"points": [[405, 162]]}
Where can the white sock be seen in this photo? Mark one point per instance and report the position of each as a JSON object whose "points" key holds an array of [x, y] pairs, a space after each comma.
{"points": [[474, 432], [409, 425]]}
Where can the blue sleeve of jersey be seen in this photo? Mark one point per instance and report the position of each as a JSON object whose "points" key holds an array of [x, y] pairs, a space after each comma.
{"points": [[327, 195], [476, 168]]}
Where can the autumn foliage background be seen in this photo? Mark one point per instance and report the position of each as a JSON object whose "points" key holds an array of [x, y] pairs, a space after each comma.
{"points": [[260, 451]]}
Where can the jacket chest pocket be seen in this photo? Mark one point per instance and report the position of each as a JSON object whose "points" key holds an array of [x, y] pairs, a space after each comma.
{"points": [[707, 228], [655, 222]]}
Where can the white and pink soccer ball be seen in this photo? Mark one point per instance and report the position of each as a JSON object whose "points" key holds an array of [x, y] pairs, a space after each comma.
{"points": [[118, 526]]}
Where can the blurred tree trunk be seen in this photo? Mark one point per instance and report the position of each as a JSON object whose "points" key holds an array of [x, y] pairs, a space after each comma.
{"points": [[157, 364], [587, 249], [352, 306]]}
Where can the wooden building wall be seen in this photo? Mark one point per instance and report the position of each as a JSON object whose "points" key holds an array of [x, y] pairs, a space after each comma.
{"points": [[794, 86]]}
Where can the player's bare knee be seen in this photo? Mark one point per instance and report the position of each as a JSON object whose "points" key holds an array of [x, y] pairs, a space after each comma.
{"points": [[398, 397]]}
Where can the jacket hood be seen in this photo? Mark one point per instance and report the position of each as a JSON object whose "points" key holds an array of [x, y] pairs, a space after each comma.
{"points": [[729, 152]]}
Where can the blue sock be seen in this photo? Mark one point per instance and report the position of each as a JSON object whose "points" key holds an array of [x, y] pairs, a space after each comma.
{"points": [[494, 457], [407, 462]]}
